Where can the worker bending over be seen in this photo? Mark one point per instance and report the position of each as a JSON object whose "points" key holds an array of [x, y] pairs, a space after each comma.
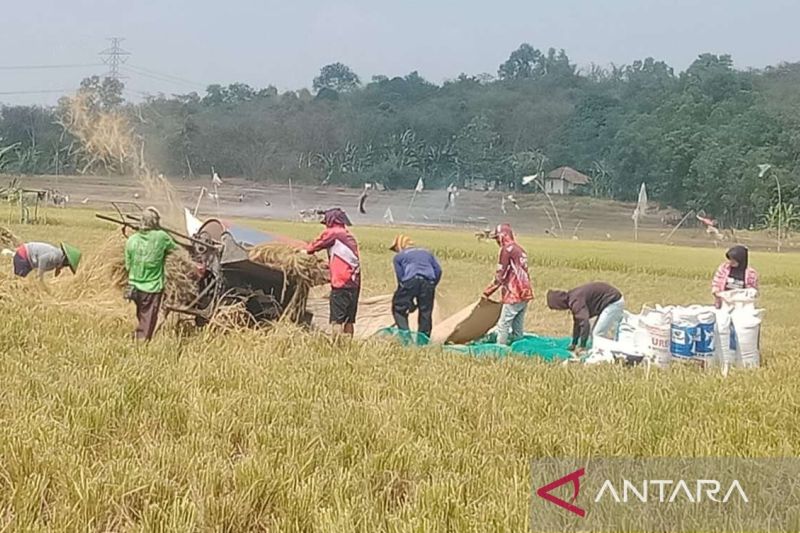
{"points": [[512, 277], [345, 268], [418, 273], [595, 299], [44, 258]]}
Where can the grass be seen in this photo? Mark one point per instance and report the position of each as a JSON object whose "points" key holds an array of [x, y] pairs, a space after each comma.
{"points": [[279, 431]]}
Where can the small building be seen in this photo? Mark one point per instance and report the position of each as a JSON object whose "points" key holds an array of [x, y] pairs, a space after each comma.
{"points": [[564, 180]]}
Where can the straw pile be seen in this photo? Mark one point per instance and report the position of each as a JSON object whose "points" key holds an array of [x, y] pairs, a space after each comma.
{"points": [[102, 277], [301, 271], [8, 239]]}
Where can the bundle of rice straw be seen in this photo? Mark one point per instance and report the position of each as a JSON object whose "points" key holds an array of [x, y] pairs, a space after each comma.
{"points": [[8, 239], [104, 271], [301, 272]]}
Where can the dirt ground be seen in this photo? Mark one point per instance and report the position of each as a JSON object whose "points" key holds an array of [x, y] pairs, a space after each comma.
{"points": [[577, 217]]}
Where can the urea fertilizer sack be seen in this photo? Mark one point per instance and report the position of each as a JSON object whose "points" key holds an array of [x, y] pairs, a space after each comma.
{"points": [[656, 325]]}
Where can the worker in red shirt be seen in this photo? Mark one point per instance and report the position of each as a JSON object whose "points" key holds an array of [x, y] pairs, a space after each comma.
{"points": [[512, 277], [345, 268]]}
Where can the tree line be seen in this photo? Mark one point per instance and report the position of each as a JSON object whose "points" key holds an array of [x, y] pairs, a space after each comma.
{"points": [[696, 137]]}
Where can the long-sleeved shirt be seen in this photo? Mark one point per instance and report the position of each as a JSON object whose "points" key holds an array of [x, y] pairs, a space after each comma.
{"points": [[723, 281], [413, 262], [343, 257], [512, 274], [586, 302]]}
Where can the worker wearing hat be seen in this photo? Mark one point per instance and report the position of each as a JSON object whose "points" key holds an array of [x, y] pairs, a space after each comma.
{"points": [[418, 273], [44, 257], [515, 283], [145, 255]]}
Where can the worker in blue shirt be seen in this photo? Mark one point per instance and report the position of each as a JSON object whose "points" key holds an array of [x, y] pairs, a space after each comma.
{"points": [[418, 273]]}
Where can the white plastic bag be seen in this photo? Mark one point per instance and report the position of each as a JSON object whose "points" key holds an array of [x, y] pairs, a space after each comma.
{"points": [[747, 325]]}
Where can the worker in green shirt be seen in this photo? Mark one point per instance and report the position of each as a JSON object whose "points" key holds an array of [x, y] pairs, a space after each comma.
{"points": [[145, 254]]}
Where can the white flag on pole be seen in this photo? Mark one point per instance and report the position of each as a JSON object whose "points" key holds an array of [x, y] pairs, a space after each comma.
{"points": [[419, 186], [641, 205], [193, 224]]}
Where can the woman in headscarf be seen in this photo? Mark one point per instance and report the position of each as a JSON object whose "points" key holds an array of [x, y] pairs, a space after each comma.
{"points": [[735, 273], [345, 267]]}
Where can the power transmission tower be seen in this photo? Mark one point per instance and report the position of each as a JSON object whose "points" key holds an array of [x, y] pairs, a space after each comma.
{"points": [[114, 56]]}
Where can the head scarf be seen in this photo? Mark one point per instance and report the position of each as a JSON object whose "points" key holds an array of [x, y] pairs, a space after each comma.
{"points": [[503, 234], [401, 242], [335, 217], [740, 255], [558, 300]]}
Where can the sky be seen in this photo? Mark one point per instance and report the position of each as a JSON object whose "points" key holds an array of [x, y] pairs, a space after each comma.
{"points": [[179, 46]]}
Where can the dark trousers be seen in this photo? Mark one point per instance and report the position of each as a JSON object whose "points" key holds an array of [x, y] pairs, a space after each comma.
{"points": [[147, 306], [415, 293]]}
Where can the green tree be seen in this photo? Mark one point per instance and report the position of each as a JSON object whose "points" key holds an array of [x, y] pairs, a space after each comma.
{"points": [[526, 62], [337, 77]]}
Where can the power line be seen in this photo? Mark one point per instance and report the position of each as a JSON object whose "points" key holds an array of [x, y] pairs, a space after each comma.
{"points": [[141, 71], [114, 56], [42, 91], [42, 67]]}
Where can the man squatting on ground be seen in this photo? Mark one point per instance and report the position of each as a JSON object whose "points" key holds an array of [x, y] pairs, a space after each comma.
{"points": [[345, 269], [595, 299], [44, 257], [512, 277], [145, 254], [418, 273]]}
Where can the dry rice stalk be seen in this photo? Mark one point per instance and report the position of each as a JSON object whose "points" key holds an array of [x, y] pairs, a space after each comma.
{"points": [[232, 317], [8, 239], [106, 137], [300, 271], [102, 276]]}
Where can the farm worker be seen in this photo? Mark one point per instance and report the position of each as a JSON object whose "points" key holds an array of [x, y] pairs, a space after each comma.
{"points": [[44, 257], [595, 299], [512, 277], [145, 254], [345, 269], [735, 273], [418, 273]]}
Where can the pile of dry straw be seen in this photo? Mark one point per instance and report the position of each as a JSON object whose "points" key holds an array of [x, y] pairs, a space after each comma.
{"points": [[7, 239], [300, 271]]}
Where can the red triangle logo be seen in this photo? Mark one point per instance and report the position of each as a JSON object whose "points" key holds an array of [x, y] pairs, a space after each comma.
{"points": [[574, 478]]}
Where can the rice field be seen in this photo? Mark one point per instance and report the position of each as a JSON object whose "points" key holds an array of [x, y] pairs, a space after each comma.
{"points": [[283, 431]]}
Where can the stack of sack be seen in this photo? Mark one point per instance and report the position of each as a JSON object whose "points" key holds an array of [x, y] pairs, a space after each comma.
{"points": [[726, 337]]}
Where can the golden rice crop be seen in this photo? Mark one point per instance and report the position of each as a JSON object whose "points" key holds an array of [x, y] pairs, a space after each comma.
{"points": [[281, 430]]}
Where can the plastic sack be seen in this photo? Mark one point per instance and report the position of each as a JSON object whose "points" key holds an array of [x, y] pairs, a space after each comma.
{"points": [[747, 326], [655, 336]]}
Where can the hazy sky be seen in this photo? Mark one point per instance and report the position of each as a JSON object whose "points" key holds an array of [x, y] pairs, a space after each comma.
{"points": [[285, 42]]}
